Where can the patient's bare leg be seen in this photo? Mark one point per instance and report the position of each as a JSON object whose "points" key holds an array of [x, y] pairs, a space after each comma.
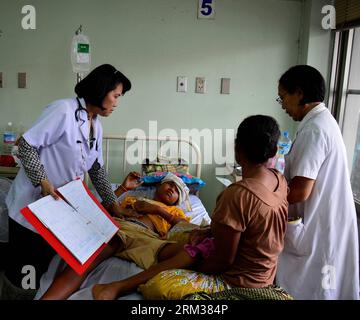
{"points": [[110, 291], [68, 281]]}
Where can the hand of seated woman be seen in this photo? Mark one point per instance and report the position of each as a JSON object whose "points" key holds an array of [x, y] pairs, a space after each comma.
{"points": [[198, 235]]}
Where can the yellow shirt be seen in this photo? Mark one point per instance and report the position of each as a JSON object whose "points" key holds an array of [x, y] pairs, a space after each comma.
{"points": [[160, 224]]}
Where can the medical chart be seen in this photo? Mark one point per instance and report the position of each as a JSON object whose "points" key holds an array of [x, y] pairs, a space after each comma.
{"points": [[77, 222], [75, 193]]}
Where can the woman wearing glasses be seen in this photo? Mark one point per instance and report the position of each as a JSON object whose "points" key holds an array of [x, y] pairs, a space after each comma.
{"points": [[320, 258], [63, 144]]}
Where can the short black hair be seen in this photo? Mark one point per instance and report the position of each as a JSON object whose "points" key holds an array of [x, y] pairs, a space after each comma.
{"points": [[257, 137], [99, 82], [307, 79]]}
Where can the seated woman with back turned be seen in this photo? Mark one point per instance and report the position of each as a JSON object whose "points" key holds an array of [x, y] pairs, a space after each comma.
{"points": [[247, 229]]}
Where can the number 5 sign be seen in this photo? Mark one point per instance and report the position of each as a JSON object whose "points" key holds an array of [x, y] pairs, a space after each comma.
{"points": [[206, 9]]}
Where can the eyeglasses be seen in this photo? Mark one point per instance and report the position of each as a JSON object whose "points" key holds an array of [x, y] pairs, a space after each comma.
{"points": [[279, 100]]}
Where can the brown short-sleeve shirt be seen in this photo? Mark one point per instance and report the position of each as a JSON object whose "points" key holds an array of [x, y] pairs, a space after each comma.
{"points": [[260, 215]]}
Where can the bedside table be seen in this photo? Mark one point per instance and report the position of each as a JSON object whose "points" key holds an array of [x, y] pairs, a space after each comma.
{"points": [[234, 172], [229, 173]]}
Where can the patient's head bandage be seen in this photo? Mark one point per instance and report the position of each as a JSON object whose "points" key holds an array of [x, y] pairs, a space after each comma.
{"points": [[181, 186]]}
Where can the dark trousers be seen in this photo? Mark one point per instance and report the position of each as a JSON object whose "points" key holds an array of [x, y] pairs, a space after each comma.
{"points": [[26, 247]]}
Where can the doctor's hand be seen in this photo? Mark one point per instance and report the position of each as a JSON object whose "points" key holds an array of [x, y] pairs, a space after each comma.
{"points": [[48, 189]]}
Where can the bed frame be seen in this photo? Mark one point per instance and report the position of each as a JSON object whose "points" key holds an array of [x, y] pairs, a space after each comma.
{"points": [[180, 149]]}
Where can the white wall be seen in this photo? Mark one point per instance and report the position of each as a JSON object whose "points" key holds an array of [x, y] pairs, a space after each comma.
{"points": [[251, 42], [319, 40]]}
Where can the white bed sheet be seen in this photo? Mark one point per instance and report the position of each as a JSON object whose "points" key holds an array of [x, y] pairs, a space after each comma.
{"points": [[113, 268]]}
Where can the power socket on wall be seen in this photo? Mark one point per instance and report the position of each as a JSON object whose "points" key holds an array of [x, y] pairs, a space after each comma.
{"points": [[200, 85]]}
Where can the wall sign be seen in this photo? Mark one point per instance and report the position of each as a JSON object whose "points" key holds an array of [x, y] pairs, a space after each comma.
{"points": [[206, 9]]}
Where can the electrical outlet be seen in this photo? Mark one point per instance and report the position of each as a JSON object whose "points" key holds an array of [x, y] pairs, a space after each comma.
{"points": [[181, 84], [200, 85]]}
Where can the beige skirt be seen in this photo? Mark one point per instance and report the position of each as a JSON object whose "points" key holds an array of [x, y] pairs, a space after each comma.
{"points": [[140, 244]]}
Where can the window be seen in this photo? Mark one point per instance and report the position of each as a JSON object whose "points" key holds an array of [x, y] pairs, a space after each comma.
{"points": [[344, 98]]}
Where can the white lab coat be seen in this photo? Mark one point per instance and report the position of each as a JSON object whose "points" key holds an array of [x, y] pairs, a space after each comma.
{"points": [[321, 255], [63, 146]]}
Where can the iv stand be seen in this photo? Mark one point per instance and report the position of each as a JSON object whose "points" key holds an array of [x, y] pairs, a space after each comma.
{"points": [[78, 75]]}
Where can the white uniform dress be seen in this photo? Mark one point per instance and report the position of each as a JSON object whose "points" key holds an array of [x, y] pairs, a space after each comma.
{"points": [[321, 255], [61, 136]]}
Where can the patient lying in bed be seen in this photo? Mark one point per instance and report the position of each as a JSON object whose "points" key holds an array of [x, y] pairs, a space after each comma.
{"points": [[141, 235]]}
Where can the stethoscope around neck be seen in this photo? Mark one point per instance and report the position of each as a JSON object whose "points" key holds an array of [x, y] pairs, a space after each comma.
{"points": [[79, 109]]}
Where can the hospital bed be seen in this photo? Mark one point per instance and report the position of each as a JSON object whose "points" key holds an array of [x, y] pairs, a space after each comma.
{"points": [[119, 155]]}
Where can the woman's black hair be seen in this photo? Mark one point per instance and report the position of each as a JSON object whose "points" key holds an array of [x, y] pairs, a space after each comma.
{"points": [[99, 82], [257, 138], [308, 80]]}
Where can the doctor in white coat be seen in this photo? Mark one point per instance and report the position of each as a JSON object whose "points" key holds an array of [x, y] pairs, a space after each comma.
{"points": [[63, 144], [321, 255]]}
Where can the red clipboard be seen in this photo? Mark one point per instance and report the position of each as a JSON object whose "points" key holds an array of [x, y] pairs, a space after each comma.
{"points": [[57, 245]]}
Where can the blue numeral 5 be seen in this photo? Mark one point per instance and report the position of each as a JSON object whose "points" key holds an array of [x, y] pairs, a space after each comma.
{"points": [[207, 9]]}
